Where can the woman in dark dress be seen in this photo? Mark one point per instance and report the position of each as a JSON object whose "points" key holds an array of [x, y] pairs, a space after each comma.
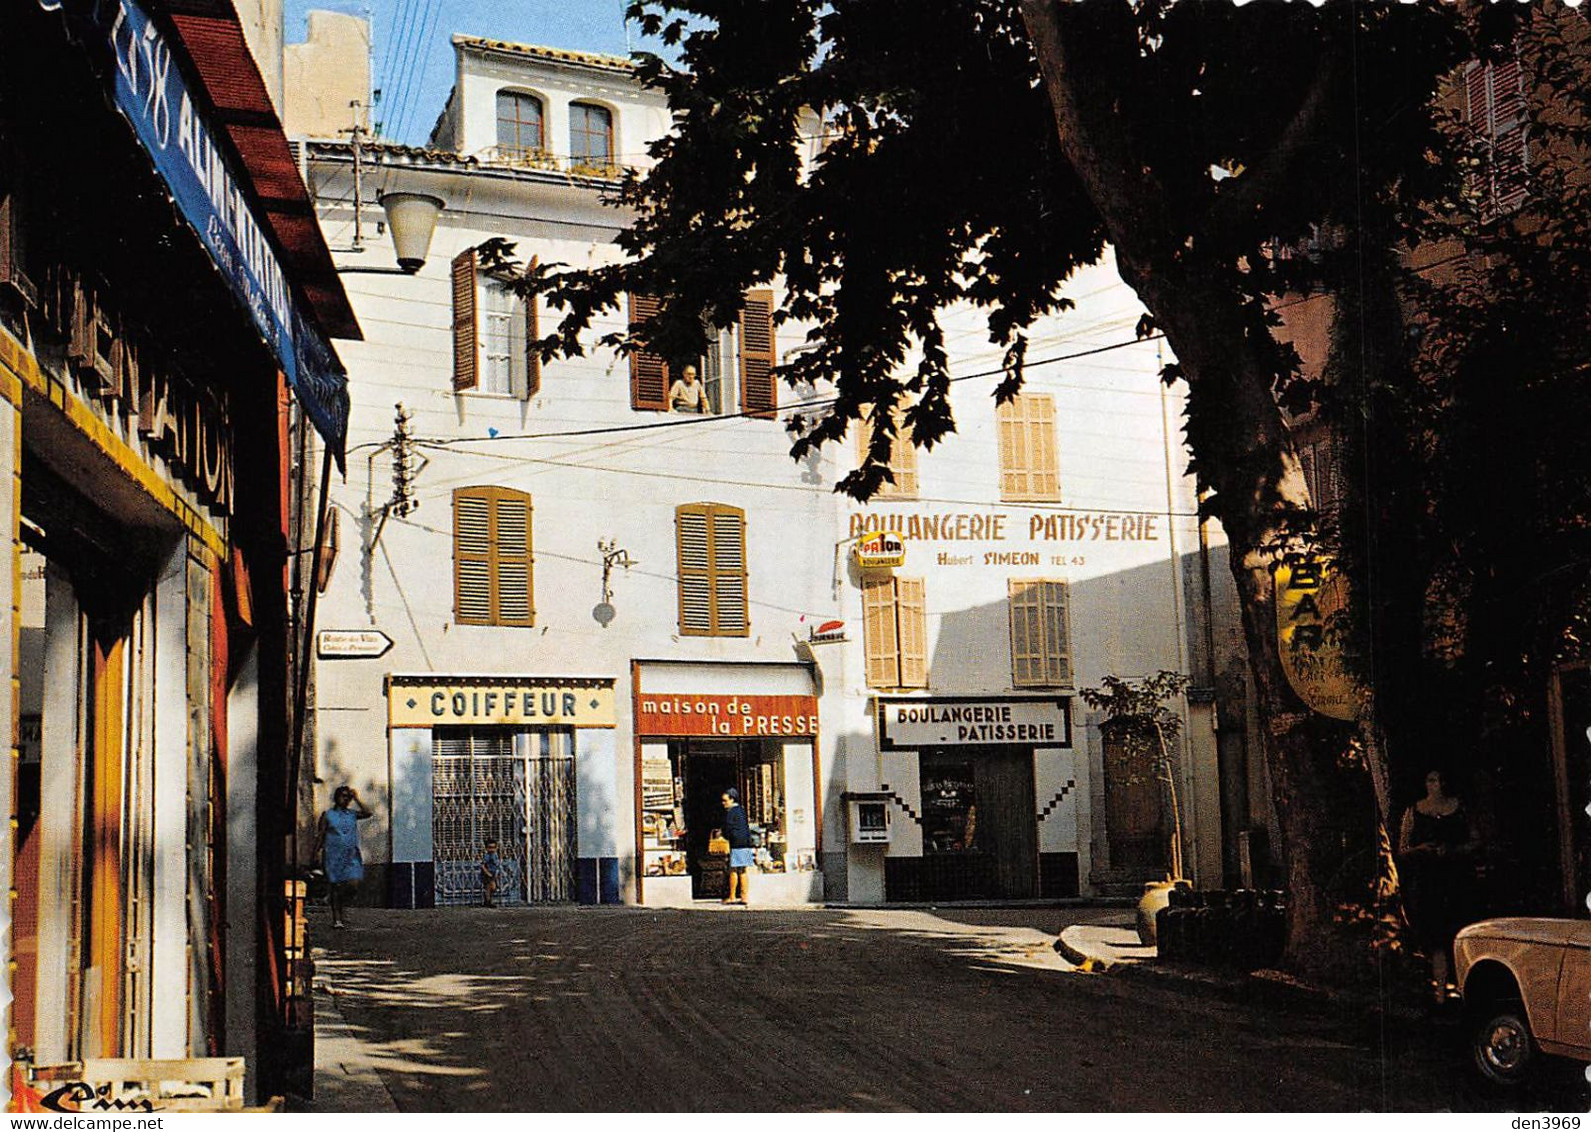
{"points": [[1436, 850]]}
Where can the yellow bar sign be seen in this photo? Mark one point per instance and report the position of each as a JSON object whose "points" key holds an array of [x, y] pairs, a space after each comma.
{"points": [[525, 701], [1310, 595]]}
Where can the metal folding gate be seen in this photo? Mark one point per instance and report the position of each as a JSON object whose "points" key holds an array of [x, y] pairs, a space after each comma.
{"points": [[517, 788]]}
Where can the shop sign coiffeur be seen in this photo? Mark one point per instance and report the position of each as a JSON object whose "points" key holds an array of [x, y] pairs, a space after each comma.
{"points": [[532, 701], [740, 716]]}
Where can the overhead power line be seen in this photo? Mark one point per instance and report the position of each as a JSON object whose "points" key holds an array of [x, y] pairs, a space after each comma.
{"points": [[813, 403]]}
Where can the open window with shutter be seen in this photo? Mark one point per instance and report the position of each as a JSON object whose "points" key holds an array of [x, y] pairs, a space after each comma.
{"points": [[648, 372], [532, 334], [13, 249], [758, 355], [466, 359], [1041, 655], [1494, 105], [711, 544], [492, 558], [1027, 449], [895, 631]]}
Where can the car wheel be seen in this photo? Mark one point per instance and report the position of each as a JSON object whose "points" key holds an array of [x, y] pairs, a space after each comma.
{"points": [[1501, 1044]]}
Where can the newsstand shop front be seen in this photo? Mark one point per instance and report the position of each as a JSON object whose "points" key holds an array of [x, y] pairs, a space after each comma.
{"points": [[691, 747]]}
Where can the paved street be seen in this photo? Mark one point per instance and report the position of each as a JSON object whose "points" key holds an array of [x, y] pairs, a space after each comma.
{"points": [[849, 1010]]}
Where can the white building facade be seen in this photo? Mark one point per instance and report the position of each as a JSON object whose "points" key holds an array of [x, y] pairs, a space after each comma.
{"points": [[604, 612]]}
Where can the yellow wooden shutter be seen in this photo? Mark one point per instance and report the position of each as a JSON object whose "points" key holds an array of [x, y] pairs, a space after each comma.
{"points": [[466, 363], [472, 556], [1040, 637], [1027, 648], [902, 457], [648, 373], [693, 544], [1057, 634], [492, 557], [1043, 474], [511, 544], [879, 633], [1013, 470], [903, 463], [759, 395], [727, 531], [1028, 465], [532, 334], [911, 615]]}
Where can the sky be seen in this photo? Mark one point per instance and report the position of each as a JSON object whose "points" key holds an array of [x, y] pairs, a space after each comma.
{"points": [[413, 59]]}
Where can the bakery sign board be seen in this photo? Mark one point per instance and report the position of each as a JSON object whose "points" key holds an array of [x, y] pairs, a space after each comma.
{"points": [[880, 550], [974, 721]]}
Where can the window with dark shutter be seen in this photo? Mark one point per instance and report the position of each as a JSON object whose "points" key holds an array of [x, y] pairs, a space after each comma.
{"points": [[492, 559], [1040, 649], [13, 249], [758, 395], [1494, 104], [711, 543], [466, 361], [13, 271], [648, 372]]}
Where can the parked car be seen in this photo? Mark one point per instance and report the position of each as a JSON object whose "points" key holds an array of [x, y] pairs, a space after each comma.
{"points": [[1526, 984]]}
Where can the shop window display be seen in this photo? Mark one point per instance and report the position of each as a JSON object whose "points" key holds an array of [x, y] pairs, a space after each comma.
{"points": [[950, 807], [682, 810]]}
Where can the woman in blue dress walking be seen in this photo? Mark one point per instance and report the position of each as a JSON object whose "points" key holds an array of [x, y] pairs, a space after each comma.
{"points": [[337, 848]]}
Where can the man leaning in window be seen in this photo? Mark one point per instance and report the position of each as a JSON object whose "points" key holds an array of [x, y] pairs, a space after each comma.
{"points": [[687, 395]]}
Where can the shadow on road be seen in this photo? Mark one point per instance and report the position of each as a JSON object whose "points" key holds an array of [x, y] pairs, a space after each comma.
{"points": [[592, 1009]]}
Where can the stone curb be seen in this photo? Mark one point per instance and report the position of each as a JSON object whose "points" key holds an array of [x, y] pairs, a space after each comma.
{"points": [[1274, 989], [345, 1081], [1093, 964]]}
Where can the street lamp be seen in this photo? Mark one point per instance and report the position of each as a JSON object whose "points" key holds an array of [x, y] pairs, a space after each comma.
{"points": [[411, 218]]}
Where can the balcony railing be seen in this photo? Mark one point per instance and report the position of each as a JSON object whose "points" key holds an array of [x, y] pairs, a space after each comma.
{"points": [[522, 157]]}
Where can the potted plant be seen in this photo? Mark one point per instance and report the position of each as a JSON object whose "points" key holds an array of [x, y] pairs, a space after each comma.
{"points": [[1137, 718]]}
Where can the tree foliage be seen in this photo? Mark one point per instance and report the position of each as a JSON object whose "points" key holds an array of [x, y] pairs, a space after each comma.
{"points": [[1472, 545], [887, 160]]}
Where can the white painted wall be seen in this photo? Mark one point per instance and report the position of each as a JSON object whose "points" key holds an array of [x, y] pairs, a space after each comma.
{"points": [[1119, 454], [638, 116], [242, 871], [169, 966], [411, 778], [59, 778]]}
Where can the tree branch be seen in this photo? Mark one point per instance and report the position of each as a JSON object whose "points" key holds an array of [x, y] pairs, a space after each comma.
{"points": [[1097, 145], [1240, 196]]}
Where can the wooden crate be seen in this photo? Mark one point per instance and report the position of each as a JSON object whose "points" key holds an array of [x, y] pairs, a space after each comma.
{"points": [[195, 1084]]}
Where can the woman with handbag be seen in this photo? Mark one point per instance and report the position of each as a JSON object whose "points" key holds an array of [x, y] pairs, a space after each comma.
{"points": [[737, 831]]}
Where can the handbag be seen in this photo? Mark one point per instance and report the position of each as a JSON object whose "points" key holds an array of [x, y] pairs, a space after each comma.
{"points": [[718, 843]]}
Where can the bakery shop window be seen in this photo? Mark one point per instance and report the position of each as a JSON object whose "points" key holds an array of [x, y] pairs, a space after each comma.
{"points": [[950, 805]]}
